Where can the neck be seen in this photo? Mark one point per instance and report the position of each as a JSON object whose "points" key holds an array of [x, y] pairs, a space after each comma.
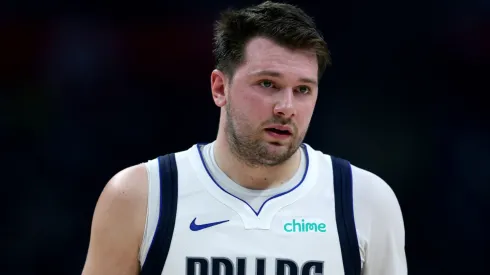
{"points": [[256, 178]]}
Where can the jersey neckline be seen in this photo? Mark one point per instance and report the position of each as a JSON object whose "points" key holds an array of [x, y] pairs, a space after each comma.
{"points": [[257, 213], [252, 218]]}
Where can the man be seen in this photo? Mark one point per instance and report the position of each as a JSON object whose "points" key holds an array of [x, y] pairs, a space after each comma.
{"points": [[256, 200]]}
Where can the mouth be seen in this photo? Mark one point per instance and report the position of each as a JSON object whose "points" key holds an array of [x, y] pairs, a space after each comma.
{"points": [[279, 132]]}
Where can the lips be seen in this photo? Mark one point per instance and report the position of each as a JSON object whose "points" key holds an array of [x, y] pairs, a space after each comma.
{"points": [[279, 130]]}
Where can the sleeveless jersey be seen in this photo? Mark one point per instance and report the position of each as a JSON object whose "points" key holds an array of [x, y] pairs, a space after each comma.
{"points": [[194, 226]]}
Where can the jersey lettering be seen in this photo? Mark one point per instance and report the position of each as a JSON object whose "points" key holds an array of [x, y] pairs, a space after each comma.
{"points": [[225, 266]]}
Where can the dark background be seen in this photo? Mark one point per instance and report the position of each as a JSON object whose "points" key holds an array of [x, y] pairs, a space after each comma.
{"points": [[86, 94]]}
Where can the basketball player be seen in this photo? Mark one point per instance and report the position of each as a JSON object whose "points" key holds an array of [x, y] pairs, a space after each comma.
{"points": [[257, 200]]}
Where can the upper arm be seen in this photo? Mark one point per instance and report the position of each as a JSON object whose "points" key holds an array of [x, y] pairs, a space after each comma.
{"points": [[118, 225], [380, 226]]}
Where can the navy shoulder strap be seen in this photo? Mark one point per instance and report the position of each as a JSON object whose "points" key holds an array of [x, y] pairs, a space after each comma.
{"points": [[344, 214], [160, 245]]}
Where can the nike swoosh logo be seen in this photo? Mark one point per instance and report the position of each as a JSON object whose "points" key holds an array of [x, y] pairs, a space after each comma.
{"points": [[197, 227]]}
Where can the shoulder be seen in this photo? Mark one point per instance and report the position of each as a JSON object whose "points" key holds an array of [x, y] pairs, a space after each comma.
{"points": [[379, 223], [129, 185], [376, 207], [118, 224], [371, 191], [372, 195], [124, 198]]}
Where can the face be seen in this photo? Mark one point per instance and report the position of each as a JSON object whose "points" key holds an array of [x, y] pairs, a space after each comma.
{"points": [[269, 103]]}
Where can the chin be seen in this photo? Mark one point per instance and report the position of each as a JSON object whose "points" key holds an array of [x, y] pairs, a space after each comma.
{"points": [[277, 145], [279, 148], [274, 158]]}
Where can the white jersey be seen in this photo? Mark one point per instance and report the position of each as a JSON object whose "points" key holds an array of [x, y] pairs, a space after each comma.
{"points": [[217, 231]]}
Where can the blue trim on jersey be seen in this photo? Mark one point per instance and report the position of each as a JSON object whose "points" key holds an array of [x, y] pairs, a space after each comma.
{"points": [[160, 244], [344, 214], [273, 197]]}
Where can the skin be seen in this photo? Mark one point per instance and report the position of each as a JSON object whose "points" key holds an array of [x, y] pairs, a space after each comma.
{"points": [[274, 85], [118, 225]]}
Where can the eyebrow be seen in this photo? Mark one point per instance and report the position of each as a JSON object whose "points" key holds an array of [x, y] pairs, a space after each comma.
{"points": [[278, 74]]}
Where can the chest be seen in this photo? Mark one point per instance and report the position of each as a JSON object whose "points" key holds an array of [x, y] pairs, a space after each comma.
{"points": [[212, 238]]}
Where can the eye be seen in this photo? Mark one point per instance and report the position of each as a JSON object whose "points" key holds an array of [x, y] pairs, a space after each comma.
{"points": [[266, 84], [304, 89]]}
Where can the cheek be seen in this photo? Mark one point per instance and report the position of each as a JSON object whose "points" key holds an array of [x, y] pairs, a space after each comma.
{"points": [[255, 105], [304, 114]]}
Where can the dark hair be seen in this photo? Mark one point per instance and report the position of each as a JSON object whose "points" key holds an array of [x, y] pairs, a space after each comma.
{"points": [[285, 24]]}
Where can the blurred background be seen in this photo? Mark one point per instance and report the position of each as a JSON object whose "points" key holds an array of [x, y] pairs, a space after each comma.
{"points": [[86, 94]]}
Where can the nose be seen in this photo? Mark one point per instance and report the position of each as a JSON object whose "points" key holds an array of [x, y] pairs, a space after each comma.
{"points": [[285, 104]]}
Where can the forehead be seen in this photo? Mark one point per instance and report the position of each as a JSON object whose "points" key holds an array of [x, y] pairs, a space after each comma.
{"points": [[262, 54]]}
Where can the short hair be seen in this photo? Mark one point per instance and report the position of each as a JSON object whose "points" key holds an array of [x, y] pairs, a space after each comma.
{"points": [[285, 24]]}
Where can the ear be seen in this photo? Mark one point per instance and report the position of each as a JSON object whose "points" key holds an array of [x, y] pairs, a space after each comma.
{"points": [[218, 87]]}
